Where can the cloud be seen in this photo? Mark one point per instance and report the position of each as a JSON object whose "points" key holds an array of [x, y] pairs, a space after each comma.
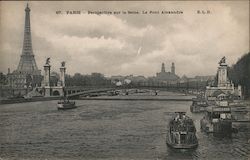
{"points": [[110, 43], [88, 25]]}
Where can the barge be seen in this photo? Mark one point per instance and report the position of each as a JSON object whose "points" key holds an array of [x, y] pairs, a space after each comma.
{"points": [[217, 119]]}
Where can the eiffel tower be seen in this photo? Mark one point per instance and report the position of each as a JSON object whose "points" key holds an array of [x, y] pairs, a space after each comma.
{"points": [[27, 74], [27, 63]]}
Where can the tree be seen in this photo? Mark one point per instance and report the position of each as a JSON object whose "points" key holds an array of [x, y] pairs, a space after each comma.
{"points": [[95, 79], [239, 73], [3, 79]]}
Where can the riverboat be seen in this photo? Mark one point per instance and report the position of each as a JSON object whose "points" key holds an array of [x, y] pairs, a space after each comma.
{"points": [[198, 105], [182, 132], [66, 104], [217, 119]]}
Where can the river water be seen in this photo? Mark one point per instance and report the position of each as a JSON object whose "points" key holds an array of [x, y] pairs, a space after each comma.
{"points": [[107, 130]]}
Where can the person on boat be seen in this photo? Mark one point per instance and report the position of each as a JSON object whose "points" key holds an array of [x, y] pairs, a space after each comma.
{"points": [[184, 117], [177, 117], [156, 93], [176, 137]]}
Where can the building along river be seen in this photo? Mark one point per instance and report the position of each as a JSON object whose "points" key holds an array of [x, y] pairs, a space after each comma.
{"points": [[107, 129]]}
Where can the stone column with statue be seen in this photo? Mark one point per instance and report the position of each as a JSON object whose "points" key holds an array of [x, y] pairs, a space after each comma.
{"points": [[46, 79], [222, 73], [62, 74]]}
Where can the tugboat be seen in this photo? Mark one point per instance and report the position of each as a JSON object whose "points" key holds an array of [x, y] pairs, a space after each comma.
{"points": [[182, 132], [65, 104], [198, 105], [217, 119]]}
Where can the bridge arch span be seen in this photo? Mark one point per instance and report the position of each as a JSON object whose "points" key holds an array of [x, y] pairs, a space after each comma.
{"points": [[56, 93]]}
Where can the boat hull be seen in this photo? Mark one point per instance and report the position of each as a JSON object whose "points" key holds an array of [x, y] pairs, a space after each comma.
{"points": [[65, 106], [173, 145], [182, 146], [219, 127]]}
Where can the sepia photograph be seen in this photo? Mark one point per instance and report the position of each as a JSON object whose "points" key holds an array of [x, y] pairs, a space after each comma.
{"points": [[124, 80]]}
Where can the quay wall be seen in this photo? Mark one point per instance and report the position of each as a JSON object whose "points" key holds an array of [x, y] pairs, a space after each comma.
{"points": [[22, 100], [141, 98]]}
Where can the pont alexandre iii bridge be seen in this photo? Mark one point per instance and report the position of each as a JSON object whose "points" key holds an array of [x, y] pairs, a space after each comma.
{"points": [[77, 91], [60, 89]]}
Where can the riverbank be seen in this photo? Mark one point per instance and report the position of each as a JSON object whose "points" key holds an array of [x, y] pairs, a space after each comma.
{"points": [[123, 98], [23, 100], [142, 98]]}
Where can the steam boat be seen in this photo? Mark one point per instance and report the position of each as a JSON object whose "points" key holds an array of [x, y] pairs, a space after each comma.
{"points": [[198, 105], [65, 104], [182, 132]]}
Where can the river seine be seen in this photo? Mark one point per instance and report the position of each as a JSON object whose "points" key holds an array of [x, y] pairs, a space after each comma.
{"points": [[107, 130]]}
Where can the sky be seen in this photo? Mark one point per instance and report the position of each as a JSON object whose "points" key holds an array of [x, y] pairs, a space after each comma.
{"points": [[126, 44]]}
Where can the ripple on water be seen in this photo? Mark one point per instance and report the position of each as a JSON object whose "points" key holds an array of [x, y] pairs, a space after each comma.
{"points": [[107, 129]]}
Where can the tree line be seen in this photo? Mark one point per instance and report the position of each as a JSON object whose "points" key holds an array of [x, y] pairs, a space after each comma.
{"points": [[95, 79], [239, 73]]}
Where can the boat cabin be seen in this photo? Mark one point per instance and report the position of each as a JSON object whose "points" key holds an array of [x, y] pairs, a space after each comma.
{"points": [[215, 113]]}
